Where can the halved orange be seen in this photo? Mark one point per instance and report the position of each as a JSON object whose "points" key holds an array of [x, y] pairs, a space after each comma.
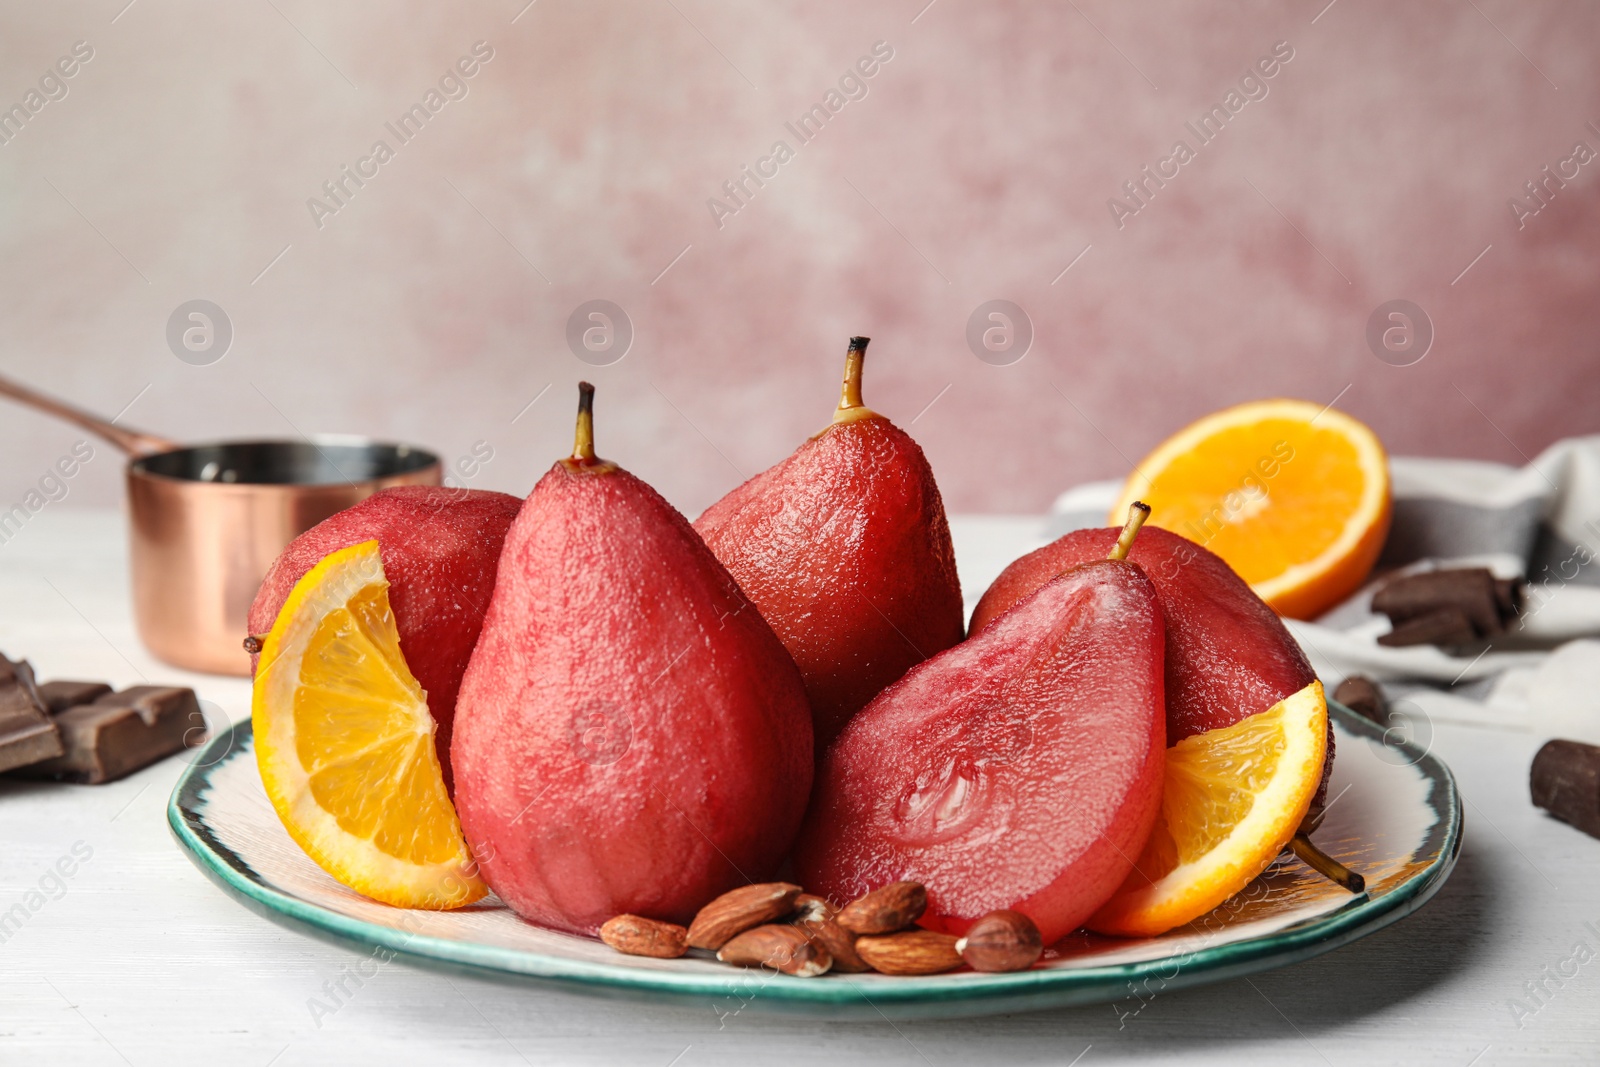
{"points": [[344, 741], [1233, 799], [1293, 495]]}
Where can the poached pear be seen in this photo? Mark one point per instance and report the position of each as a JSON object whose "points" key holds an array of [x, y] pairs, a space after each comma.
{"points": [[631, 737], [440, 549], [1229, 655], [1021, 769], [845, 550]]}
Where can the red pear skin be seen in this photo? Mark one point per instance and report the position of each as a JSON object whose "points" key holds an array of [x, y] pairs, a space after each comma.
{"points": [[1020, 769], [845, 549], [1229, 655], [631, 737], [440, 549]]}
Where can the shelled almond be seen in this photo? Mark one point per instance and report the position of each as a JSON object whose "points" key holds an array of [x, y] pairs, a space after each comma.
{"points": [[738, 910], [840, 943], [909, 952], [635, 935], [886, 909], [1002, 940], [783, 948]]}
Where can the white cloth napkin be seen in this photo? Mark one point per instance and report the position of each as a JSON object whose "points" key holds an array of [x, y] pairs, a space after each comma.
{"points": [[1540, 522]]}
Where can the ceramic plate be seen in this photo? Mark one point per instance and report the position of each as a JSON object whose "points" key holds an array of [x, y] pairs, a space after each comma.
{"points": [[1395, 817]]}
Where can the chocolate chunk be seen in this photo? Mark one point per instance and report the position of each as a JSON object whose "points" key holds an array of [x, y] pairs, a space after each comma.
{"points": [[1468, 590], [1446, 626], [27, 733], [1363, 696], [59, 696], [119, 733], [1508, 596], [1565, 781]]}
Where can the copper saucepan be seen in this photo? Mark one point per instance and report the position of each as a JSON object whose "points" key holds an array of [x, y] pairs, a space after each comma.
{"points": [[206, 521]]}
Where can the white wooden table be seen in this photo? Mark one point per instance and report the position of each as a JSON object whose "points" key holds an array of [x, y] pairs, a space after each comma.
{"points": [[137, 958]]}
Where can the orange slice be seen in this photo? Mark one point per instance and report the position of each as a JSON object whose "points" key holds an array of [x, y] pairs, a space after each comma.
{"points": [[1293, 495], [1233, 798], [345, 745]]}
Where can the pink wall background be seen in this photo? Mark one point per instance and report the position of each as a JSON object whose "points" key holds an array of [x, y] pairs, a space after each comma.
{"points": [[432, 306]]}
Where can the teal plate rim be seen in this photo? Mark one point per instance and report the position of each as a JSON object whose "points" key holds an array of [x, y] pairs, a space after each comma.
{"points": [[975, 994]]}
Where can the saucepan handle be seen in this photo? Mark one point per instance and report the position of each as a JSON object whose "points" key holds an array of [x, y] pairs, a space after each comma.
{"points": [[132, 442]]}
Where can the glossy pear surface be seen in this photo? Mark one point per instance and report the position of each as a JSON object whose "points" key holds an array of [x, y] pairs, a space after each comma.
{"points": [[1020, 769], [845, 549], [631, 737], [1229, 655]]}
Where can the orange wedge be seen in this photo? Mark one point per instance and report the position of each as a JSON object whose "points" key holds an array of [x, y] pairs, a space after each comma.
{"points": [[344, 741], [1293, 495], [1233, 799]]}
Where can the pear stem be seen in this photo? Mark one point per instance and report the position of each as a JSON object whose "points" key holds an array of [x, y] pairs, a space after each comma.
{"points": [[1138, 511], [583, 436], [1326, 865], [850, 393]]}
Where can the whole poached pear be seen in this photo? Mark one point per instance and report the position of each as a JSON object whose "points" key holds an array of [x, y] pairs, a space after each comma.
{"points": [[630, 735], [440, 549], [1021, 769], [845, 549]]}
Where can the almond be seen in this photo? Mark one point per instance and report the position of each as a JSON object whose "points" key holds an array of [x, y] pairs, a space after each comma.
{"points": [[809, 906], [909, 952], [738, 910], [783, 948], [638, 936], [1002, 940], [840, 943], [885, 910]]}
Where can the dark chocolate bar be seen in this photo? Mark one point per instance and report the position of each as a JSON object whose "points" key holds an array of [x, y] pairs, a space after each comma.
{"points": [[1447, 627], [1508, 596], [1470, 590], [27, 733], [1451, 607], [1565, 781], [1362, 695], [119, 733], [59, 696]]}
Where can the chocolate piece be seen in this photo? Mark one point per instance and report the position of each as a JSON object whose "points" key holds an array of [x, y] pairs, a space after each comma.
{"points": [[27, 733], [1468, 590], [59, 696], [1508, 596], [1362, 695], [119, 733], [1565, 781], [1447, 626]]}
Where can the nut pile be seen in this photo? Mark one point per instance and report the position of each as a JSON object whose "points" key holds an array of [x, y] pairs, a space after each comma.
{"points": [[781, 926]]}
